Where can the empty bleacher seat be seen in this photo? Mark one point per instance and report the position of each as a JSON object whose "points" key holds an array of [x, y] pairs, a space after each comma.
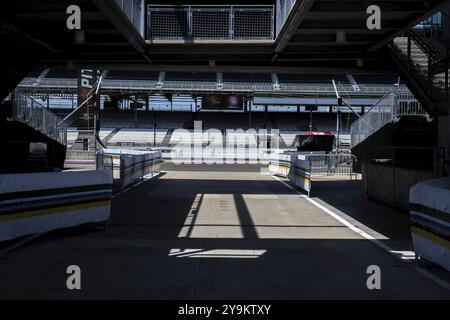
{"points": [[62, 73], [133, 75], [190, 76]]}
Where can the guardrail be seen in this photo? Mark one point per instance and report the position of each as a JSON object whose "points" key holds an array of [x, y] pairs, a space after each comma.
{"points": [[31, 112], [393, 105], [210, 22]]}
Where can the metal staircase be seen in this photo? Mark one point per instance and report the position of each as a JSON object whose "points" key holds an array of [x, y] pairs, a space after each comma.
{"points": [[29, 111], [424, 69]]}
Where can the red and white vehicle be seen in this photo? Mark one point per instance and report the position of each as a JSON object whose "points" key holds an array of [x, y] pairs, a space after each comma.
{"points": [[314, 141]]}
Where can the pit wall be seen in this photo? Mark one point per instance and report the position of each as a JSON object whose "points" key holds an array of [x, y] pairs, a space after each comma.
{"points": [[129, 166], [33, 203], [293, 166], [429, 203], [300, 168]]}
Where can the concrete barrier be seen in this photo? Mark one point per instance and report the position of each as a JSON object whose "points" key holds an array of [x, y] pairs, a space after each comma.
{"points": [[131, 166], [39, 202], [294, 166], [430, 220], [300, 167], [281, 164], [301, 175], [390, 185]]}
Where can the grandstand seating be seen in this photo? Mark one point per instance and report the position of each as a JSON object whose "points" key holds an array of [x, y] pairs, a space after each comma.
{"points": [[228, 77], [224, 120], [375, 79], [119, 127], [249, 81], [311, 78], [62, 73], [138, 137], [190, 76], [120, 80], [133, 75]]}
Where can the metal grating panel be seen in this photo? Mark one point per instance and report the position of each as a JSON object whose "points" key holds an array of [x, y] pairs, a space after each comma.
{"points": [[211, 23], [253, 24], [168, 23]]}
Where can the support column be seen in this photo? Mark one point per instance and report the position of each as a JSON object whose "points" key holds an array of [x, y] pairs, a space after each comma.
{"points": [[443, 151], [249, 108]]}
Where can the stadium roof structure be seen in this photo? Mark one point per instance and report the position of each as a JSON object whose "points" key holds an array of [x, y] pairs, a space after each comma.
{"points": [[306, 36], [311, 36], [313, 33]]}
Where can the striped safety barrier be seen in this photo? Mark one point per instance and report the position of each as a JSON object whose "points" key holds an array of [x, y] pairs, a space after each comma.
{"points": [[39, 202], [301, 167], [130, 166], [430, 220]]}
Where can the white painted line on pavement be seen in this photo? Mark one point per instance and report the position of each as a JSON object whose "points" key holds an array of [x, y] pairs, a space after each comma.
{"points": [[339, 218], [398, 254]]}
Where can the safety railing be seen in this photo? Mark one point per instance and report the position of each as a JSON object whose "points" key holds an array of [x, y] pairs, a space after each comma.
{"points": [[132, 9], [332, 164], [393, 105], [129, 166], [210, 22], [31, 112], [125, 84], [407, 104]]}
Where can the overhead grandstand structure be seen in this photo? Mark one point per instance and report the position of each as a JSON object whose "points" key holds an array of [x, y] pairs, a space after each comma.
{"points": [[65, 81]]}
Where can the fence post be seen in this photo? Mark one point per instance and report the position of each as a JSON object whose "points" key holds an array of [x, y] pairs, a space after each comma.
{"points": [[429, 76], [409, 51], [122, 171], [231, 31], [190, 35], [446, 72], [394, 196]]}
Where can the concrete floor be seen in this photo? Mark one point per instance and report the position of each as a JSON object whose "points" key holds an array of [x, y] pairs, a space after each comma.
{"points": [[215, 233]]}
